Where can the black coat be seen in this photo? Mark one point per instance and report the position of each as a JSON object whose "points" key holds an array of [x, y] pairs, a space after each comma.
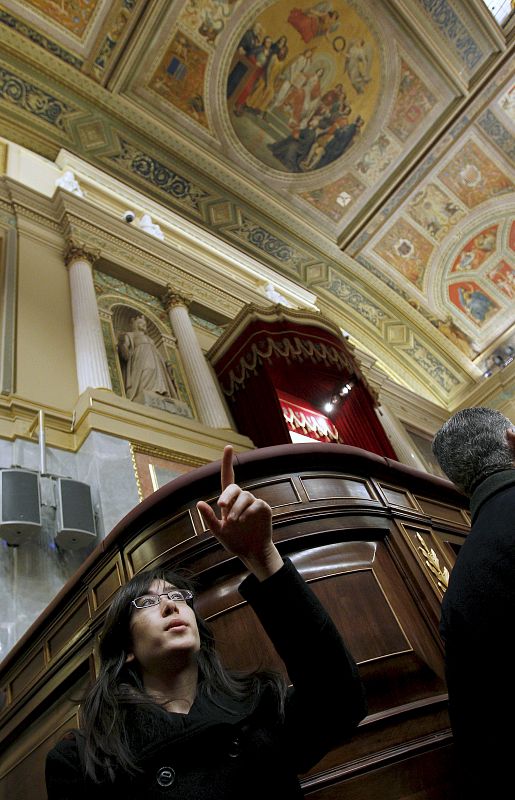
{"points": [[477, 625], [233, 753]]}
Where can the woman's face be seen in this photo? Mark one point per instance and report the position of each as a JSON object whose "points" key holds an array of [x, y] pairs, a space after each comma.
{"points": [[163, 635]]}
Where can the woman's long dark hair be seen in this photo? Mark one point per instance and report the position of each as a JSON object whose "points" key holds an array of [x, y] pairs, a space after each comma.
{"points": [[107, 747]]}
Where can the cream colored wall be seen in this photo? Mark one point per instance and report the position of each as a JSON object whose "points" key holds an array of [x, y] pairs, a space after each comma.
{"points": [[45, 369], [32, 170]]}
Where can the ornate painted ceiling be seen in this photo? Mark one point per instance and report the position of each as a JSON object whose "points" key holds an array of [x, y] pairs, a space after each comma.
{"points": [[364, 149]]}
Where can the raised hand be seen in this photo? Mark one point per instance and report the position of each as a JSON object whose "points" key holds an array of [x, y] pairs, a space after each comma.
{"points": [[245, 527]]}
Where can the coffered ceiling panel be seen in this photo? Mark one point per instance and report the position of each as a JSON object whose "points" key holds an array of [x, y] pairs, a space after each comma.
{"points": [[363, 149]]}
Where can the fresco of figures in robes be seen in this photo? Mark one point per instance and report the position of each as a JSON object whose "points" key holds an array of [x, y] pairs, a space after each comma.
{"points": [[303, 84]]}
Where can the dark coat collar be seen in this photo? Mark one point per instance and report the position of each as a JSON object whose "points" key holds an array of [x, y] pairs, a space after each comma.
{"points": [[490, 486], [156, 729]]}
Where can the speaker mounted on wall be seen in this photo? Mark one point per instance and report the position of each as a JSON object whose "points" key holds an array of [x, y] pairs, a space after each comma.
{"points": [[75, 515], [20, 505]]}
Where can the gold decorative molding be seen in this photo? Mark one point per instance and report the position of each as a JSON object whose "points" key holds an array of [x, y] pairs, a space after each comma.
{"points": [[162, 452], [432, 563], [152, 454]]}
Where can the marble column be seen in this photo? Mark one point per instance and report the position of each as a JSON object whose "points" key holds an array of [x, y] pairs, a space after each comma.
{"points": [[90, 352], [399, 438], [200, 378]]}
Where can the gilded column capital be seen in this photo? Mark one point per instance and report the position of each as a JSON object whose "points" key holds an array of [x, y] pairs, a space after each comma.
{"points": [[76, 251], [172, 298]]}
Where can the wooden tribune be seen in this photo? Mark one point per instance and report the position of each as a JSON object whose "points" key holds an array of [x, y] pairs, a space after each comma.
{"points": [[375, 539]]}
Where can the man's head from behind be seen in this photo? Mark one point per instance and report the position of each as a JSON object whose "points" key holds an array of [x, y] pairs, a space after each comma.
{"points": [[474, 443]]}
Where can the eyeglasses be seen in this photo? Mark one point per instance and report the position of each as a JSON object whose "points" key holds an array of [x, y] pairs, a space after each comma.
{"points": [[148, 600]]}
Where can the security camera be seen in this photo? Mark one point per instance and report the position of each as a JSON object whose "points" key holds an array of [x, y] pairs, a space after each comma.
{"points": [[128, 216]]}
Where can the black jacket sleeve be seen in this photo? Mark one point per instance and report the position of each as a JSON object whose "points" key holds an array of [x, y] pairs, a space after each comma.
{"points": [[328, 698]]}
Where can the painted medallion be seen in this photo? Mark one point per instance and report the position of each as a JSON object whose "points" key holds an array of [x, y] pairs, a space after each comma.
{"points": [[303, 84]]}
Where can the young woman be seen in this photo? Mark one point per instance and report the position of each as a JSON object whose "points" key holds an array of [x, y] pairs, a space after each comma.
{"points": [[165, 719]]}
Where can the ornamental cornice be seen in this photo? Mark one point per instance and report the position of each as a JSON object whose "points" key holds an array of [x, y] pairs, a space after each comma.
{"points": [[22, 212], [152, 267], [417, 325], [7, 218]]}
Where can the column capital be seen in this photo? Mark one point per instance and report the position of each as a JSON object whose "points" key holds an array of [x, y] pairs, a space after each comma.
{"points": [[77, 251], [172, 298]]}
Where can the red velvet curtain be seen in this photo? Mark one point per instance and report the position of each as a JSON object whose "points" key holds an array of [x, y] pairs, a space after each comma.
{"points": [[359, 425], [258, 413]]}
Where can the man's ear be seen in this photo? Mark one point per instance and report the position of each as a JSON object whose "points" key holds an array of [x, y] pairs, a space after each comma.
{"points": [[129, 658], [510, 437]]}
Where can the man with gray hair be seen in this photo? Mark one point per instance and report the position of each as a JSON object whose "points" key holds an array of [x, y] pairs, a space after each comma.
{"points": [[476, 450]]}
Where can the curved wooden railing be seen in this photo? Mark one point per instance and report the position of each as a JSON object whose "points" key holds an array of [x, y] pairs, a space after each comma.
{"points": [[375, 539]]}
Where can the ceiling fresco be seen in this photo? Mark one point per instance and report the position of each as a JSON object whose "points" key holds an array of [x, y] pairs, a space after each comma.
{"points": [[363, 149]]}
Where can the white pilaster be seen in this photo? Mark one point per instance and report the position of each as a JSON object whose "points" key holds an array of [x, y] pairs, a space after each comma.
{"points": [[90, 353], [399, 438], [200, 378]]}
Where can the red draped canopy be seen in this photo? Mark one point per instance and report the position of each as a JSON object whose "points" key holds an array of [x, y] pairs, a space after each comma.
{"points": [[276, 359]]}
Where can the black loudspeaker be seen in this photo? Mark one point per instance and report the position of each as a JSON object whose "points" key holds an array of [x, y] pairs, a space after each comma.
{"points": [[20, 505], [75, 516]]}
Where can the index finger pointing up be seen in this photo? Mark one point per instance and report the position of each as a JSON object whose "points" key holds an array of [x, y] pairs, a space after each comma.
{"points": [[227, 468]]}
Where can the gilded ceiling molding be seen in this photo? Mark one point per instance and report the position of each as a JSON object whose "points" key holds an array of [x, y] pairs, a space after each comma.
{"points": [[438, 49], [414, 360], [34, 100], [476, 115], [251, 233], [452, 28], [189, 197], [123, 16], [152, 171], [497, 133], [34, 36], [395, 333]]}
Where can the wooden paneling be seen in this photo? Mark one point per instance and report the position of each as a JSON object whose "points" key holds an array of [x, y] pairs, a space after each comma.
{"points": [[325, 487], [68, 628], [104, 585], [395, 496], [423, 775], [276, 493], [159, 542], [441, 511], [23, 761], [28, 672]]}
